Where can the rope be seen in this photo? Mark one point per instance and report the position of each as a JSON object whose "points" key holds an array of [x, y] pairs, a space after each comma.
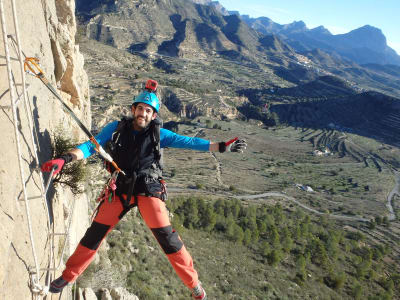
{"points": [[31, 66]]}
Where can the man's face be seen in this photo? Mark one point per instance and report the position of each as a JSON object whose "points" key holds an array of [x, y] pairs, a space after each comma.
{"points": [[142, 114]]}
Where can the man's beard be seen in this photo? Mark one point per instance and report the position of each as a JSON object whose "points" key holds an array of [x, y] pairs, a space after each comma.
{"points": [[142, 124]]}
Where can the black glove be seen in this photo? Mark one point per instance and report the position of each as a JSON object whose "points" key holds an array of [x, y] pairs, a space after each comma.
{"points": [[236, 146]]}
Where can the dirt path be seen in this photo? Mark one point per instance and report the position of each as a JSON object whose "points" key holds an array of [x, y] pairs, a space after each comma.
{"points": [[395, 191], [274, 194], [270, 194]]}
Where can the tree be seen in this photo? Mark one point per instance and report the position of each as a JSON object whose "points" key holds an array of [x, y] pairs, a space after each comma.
{"points": [[209, 219], [219, 207], [277, 212], [255, 236], [247, 237], [265, 249], [236, 208], [274, 236], [274, 257], [385, 221], [286, 240], [371, 224], [296, 232], [238, 234], [335, 280], [262, 227], [304, 229], [357, 292], [332, 244], [191, 213], [363, 268], [230, 227], [318, 252], [301, 267]]}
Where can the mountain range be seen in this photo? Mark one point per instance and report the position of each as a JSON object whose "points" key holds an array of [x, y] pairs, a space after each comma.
{"points": [[213, 27], [363, 45], [200, 29]]}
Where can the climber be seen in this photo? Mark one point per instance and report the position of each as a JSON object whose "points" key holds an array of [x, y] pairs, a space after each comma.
{"points": [[134, 143]]}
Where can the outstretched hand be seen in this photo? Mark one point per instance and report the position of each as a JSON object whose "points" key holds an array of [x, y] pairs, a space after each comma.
{"points": [[233, 145], [237, 146], [49, 165], [57, 163]]}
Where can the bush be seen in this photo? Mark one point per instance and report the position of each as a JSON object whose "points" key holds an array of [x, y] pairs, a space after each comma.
{"points": [[335, 281], [232, 188], [73, 174], [199, 186]]}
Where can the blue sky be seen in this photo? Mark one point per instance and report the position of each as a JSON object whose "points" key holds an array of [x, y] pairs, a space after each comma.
{"points": [[338, 16]]}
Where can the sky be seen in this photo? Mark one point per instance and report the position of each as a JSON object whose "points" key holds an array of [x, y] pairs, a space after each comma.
{"points": [[338, 16]]}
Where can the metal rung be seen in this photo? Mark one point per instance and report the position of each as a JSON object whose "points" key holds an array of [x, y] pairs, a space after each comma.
{"points": [[32, 198], [5, 106], [48, 269], [12, 58], [57, 233]]}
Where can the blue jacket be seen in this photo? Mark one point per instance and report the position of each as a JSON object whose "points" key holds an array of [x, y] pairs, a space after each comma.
{"points": [[167, 139]]}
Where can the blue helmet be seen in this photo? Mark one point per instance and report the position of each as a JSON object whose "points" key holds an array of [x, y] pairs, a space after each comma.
{"points": [[149, 99]]}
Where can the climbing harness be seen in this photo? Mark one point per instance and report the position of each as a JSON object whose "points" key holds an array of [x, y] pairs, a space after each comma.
{"points": [[31, 66], [108, 192]]}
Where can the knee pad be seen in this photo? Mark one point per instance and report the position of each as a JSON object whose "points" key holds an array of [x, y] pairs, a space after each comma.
{"points": [[168, 239], [94, 235]]}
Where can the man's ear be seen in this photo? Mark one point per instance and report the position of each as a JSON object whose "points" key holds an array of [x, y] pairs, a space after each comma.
{"points": [[133, 109], [154, 116]]}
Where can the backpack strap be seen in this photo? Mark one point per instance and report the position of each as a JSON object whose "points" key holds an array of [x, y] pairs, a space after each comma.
{"points": [[155, 139]]}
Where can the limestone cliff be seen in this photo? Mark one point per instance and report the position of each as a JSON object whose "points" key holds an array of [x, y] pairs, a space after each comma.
{"points": [[47, 31]]}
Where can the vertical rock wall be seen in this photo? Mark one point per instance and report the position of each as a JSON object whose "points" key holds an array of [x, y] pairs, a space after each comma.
{"points": [[47, 31]]}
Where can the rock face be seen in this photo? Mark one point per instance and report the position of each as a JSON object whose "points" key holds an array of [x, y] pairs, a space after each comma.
{"points": [[47, 31], [174, 27]]}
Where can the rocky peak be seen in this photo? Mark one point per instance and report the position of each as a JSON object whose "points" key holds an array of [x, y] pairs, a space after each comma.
{"points": [[203, 2], [296, 26], [320, 30], [366, 36]]}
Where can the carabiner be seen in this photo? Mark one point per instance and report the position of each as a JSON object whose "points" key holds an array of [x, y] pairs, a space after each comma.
{"points": [[30, 64]]}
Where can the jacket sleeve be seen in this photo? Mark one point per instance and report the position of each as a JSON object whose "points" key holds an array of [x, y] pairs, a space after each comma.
{"points": [[103, 137], [173, 140]]}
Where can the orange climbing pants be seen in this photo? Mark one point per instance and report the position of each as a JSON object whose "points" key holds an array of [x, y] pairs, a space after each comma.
{"points": [[155, 215]]}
